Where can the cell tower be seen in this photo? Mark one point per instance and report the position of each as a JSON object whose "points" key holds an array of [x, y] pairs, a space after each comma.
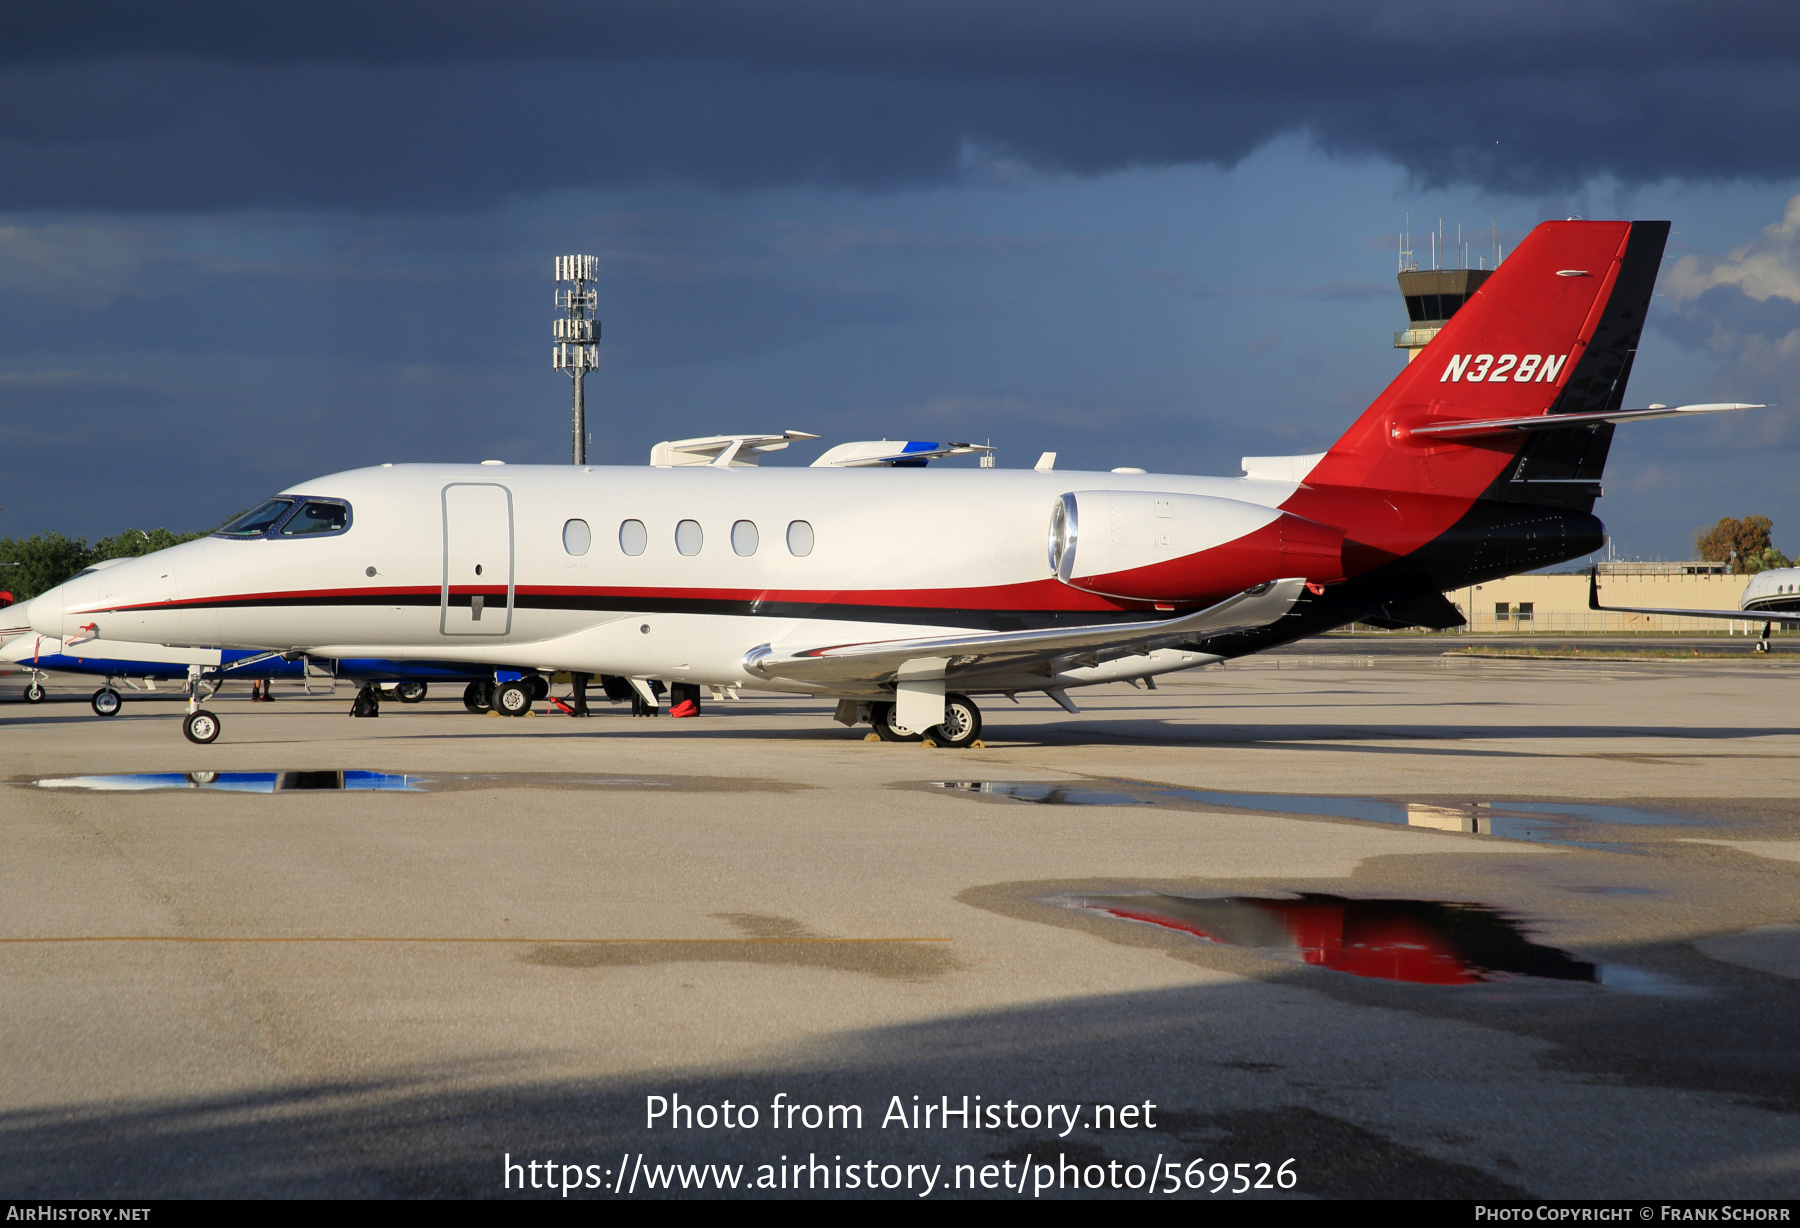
{"points": [[577, 334]]}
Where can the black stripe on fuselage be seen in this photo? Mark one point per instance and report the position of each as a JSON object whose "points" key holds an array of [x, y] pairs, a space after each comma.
{"points": [[975, 620]]}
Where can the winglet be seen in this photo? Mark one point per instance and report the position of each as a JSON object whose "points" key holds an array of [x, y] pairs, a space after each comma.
{"points": [[1594, 587]]}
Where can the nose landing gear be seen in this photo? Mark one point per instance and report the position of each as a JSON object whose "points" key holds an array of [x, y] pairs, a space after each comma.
{"points": [[199, 725]]}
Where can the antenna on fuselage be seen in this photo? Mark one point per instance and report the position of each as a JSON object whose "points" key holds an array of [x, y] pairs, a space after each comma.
{"points": [[577, 334]]}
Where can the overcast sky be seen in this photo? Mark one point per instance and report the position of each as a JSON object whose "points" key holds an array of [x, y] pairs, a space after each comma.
{"points": [[241, 246]]}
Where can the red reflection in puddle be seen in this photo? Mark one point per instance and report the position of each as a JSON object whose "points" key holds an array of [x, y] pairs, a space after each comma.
{"points": [[1422, 941]]}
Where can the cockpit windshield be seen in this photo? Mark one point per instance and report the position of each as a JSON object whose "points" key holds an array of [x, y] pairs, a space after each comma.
{"points": [[290, 516], [318, 516], [257, 521]]}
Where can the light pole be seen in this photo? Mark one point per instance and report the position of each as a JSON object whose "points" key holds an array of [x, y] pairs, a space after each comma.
{"points": [[577, 334]]}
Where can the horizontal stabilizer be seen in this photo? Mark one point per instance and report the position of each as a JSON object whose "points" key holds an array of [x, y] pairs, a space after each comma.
{"points": [[898, 453], [1739, 615], [722, 451], [1558, 422], [1257, 607]]}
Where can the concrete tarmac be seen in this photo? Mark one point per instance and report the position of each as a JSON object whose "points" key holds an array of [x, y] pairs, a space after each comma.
{"points": [[1490, 929]]}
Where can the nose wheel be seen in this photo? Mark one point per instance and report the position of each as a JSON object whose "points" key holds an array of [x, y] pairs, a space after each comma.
{"points": [[200, 726], [513, 698]]}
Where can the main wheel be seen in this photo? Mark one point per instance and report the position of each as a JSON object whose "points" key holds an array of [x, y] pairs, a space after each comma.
{"points": [[410, 692], [538, 684], [34, 694], [105, 702], [512, 699], [882, 717], [962, 723], [478, 696], [200, 726]]}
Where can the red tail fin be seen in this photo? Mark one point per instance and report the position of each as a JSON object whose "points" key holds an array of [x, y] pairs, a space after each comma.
{"points": [[1553, 330]]}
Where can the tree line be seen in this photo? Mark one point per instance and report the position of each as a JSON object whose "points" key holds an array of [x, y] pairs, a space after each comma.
{"points": [[36, 564]]}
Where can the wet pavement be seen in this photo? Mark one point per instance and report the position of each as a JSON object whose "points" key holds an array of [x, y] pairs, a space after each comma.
{"points": [[1427, 927]]}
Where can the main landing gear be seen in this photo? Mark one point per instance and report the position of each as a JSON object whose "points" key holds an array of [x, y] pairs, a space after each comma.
{"points": [[961, 727], [106, 701], [410, 692], [478, 696]]}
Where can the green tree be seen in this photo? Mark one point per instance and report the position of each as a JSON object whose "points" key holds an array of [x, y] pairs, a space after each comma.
{"points": [[40, 562], [47, 559], [1743, 543]]}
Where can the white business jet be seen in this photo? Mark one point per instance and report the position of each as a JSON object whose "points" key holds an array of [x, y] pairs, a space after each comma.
{"points": [[904, 592]]}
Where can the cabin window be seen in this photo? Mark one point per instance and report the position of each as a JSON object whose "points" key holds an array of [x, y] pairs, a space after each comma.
{"points": [[744, 538], [632, 538], [800, 538], [688, 538], [577, 537], [258, 520], [316, 518]]}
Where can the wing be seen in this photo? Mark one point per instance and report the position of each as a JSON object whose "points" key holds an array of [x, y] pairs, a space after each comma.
{"points": [[880, 659], [1740, 615]]}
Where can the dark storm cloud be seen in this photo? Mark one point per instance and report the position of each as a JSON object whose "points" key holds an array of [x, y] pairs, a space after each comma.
{"points": [[406, 105]]}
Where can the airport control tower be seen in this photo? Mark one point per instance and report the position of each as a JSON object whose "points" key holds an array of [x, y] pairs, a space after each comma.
{"points": [[1434, 294]]}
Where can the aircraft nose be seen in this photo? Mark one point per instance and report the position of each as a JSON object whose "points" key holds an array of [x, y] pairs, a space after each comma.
{"points": [[44, 613]]}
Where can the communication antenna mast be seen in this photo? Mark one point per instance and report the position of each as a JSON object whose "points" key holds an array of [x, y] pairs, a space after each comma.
{"points": [[577, 334]]}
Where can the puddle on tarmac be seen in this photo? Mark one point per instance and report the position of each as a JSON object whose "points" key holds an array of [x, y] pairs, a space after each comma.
{"points": [[1426, 942], [396, 782], [239, 782], [1539, 822]]}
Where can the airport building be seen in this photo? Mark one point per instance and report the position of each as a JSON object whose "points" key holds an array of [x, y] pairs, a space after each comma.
{"points": [[1537, 604]]}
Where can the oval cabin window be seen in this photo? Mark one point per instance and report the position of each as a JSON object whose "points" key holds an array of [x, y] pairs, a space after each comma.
{"points": [[744, 538], [632, 538], [688, 537], [577, 537], [800, 538]]}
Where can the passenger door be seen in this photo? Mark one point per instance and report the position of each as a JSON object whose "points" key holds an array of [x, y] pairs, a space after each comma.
{"points": [[478, 559]]}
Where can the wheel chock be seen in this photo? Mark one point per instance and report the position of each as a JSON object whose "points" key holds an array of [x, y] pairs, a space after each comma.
{"points": [[493, 712], [871, 737], [928, 743], [978, 744]]}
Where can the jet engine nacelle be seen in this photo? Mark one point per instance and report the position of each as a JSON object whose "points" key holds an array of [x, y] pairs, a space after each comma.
{"points": [[1184, 549]]}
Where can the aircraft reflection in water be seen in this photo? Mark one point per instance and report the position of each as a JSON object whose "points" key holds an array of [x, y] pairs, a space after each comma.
{"points": [[1423, 941], [238, 782]]}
